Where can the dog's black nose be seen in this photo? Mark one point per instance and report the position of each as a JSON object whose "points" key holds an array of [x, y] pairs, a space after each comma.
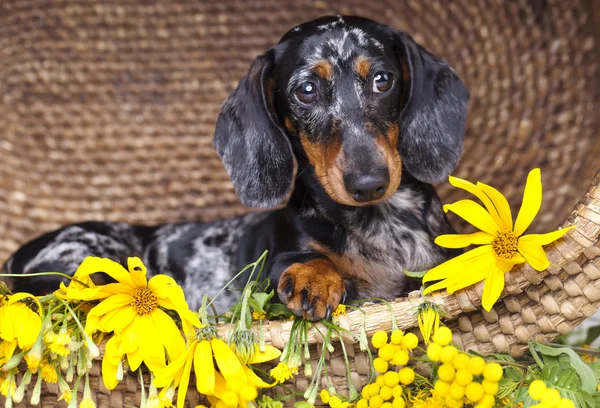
{"points": [[367, 187]]}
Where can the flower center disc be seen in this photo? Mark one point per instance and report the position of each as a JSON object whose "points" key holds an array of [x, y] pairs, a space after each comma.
{"points": [[505, 244], [144, 301]]}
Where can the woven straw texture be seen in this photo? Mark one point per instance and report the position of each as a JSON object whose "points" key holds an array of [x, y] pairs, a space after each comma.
{"points": [[107, 112]]}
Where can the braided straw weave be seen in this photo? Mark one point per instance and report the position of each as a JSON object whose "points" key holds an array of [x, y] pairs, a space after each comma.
{"points": [[107, 111]]}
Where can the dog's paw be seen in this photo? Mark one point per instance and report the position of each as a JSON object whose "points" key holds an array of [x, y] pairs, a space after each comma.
{"points": [[312, 290]]}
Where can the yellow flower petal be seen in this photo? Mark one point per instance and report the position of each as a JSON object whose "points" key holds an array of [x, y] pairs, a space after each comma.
{"points": [[153, 351], [134, 359], [533, 253], [110, 363], [457, 265], [19, 323], [505, 265], [255, 380], [204, 368], [7, 349], [184, 382], [501, 205], [548, 238], [138, 271], [464, 240], [532, 200], [477, 192], [114, 269], [23, 295], [171, 336], [162, 285], [171, 374], [110, 303], [269, 354], [492, 289], [116, 320], [474, 214], [229, 364], [477, 272]]}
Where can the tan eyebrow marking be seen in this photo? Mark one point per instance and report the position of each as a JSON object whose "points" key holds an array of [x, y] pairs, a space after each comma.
{"points": [[362, 66], [323, 69]]}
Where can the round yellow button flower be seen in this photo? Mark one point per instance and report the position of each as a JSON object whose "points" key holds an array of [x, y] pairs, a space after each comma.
{"points": [[536, 389], [410, 341], [463, 377], [493, 372], [457, 391], [397, 336], [379, 339], [446, 372], [441, 388], [406, 375], [447, 354], [551, 397], [434, 351], [380, 365], [474, 392], [476, 365], [442, 336]]}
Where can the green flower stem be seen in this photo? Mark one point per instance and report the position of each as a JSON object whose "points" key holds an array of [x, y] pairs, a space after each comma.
{"points": [[353, 395], [253, 265], [143, 396], [94, 352], [30, 275], [73, 403]]}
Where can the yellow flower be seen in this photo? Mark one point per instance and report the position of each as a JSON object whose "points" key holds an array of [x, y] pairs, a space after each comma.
{"points": [[67, 395], [49, 373], [7, 349], [87, 402], [503, 244], [20, 320], [34, 356], [131, 308], [203, 353], [282, 372], [588, 358], [258, 316], [60, 343], [339, 310], [429, 320], [8, 385]]}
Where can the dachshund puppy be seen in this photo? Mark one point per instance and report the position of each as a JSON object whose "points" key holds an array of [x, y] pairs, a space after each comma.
{"points": [[349, 120]]}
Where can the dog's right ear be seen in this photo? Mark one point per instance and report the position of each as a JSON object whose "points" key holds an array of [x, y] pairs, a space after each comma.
{"points": [[252, 145]]}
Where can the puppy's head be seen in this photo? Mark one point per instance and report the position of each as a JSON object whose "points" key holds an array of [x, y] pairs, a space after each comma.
{"points": [[354, 101]]}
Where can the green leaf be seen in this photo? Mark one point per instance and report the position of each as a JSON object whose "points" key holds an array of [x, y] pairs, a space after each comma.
{"points": [[262, 299], [278, 310], [592, 334], [417, 275], [589, 382]]}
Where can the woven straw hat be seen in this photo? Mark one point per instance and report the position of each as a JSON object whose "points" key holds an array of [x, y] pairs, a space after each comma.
{"points": [[107, 112]]}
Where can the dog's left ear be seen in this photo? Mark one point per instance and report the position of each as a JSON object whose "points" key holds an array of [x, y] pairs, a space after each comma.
{"points": [[250, 141], [432, 121]]}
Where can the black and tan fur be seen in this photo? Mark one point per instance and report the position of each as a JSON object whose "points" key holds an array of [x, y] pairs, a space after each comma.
{"points": [[356, 162]]}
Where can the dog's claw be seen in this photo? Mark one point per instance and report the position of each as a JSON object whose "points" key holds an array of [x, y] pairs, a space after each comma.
{"points": [[328, 313]]}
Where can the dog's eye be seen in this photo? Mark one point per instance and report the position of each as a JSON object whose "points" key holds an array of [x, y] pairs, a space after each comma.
{"points": [[382, 81], [307, 92]]}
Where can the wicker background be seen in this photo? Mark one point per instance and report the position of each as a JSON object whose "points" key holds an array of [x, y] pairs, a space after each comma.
{"points": [[107, 111], [107, 108]]}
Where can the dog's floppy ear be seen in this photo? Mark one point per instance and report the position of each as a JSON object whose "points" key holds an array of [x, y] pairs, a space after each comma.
{"points": [[432, 121], [252, 145]]}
